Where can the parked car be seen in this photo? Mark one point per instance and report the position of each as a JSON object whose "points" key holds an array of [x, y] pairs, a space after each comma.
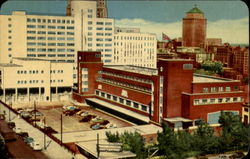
{"points": [[23, 135], [49, 130], [11, 125], [96, 127], [110, 125], [17, 130], [69, 112], [97, 119], [84, 114], [37, 113], [80, 112], [28, 140], [25, 115], [36, 146], [87, 118]]}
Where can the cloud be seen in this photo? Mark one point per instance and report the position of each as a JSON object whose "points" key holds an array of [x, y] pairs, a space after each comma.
{"points": [[232, 31]]}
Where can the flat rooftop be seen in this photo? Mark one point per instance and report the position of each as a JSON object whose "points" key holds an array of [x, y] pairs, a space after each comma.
{"points": [[9, 65], [198, 78], [134, 69]]}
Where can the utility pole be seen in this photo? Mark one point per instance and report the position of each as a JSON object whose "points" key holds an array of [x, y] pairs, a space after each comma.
{"points": [[35, 111], [97, 146], [61, 129], [44, 137]]}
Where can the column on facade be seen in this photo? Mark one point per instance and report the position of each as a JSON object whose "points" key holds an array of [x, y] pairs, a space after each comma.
{"points": [[4, 95], [16, 95], [28, 93], [39, 96], [57, 93]]}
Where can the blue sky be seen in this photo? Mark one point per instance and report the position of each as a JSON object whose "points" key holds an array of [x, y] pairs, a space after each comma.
{"points": [[226, 19]]}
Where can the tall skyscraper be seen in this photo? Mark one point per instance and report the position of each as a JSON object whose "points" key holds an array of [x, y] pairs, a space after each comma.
{"points": [[194, 26], [102, 11]]}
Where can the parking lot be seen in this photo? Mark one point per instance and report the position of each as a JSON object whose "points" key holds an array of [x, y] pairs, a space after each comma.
{"points": [[71, 123]]}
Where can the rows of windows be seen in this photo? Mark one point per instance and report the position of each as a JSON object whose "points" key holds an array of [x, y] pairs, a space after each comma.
{"points": [[126, 77], [49, 38], [133, 38], [122, 101], [144, 89], [56, 71], [85, 87], [54, 81], [50, 50], [219, 89], [28, 81], [50, 27], [53, 55], [58, 21], [29, 71], [206, 101]]}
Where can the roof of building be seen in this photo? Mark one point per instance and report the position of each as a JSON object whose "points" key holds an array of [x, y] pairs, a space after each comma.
{"points": [[198, 78], [195, 10], [9, 65], [134, 69], [37, 59]]}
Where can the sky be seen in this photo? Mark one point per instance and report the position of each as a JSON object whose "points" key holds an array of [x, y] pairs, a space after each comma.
{"points": [[228, 20]]}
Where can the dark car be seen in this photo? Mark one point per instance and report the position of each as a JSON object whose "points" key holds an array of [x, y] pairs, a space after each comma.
{"points": [[69, 112], [87, 118], [23, 135], [49, 130], [11, 125]]}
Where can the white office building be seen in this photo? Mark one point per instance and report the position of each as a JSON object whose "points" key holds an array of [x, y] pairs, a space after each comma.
{"points": [[55, 40], [29, 79], [134, 48]]}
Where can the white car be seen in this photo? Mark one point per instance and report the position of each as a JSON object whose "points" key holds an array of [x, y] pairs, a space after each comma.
{"points": [[36, 146], [17, 130], [111, 125]]}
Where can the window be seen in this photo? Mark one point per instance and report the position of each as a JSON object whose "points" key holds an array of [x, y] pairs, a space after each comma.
{"points": [[228, 89], [213, 89], [90, 22], [108, 23], [212, 100], [70, 27], [89, 16], [235, 99], [187, 66], [227, 100], [221, 89], [136, 105], [205, 90], [144, 108], [108, 28], [196, 101], [114, 98], [236, 88], [99, 23], [97, 93], [204, 101], [108, 96], [220, 100], [89, 28], [128, 102], [52, 33], [121, 100]]}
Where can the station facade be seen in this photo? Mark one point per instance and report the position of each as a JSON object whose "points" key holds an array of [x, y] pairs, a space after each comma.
{"points": [[171, 93]]}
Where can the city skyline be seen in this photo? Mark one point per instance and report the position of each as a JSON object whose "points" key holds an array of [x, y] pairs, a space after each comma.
{"points": [[164, 16]]}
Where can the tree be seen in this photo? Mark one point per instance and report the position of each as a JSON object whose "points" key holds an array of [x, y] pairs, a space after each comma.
{"points": [[204, 139], [214, 66], [3, 153], [234, 133], [133, 142], [166, 141]]}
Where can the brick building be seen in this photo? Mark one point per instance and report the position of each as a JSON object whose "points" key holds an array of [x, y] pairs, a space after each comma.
{"points": [[194, 28], [170, 93]]}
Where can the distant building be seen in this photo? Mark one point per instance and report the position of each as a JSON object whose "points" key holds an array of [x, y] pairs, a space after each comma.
{"points": [[194, 26], [131, 47], [213, 41], [29, 79], [198, 53], [170, 93]]}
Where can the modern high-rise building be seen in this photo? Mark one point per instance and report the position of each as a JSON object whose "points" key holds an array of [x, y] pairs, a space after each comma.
{"points": [[134, 48], [194, 26]]}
